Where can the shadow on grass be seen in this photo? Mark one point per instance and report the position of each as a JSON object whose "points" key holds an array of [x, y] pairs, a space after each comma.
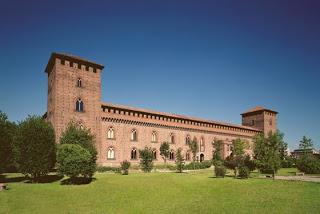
{"points": [[46, 179], [77, 181], [5, 179]]}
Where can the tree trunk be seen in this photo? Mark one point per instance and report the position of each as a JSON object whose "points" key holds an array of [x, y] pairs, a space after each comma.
{"points": [[273, 174]]}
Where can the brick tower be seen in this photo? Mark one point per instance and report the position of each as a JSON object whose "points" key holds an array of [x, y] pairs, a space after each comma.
{"points": [[260, 118], [74, 93]]}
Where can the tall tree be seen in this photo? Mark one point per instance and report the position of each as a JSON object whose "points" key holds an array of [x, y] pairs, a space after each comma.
{"points": [[7, 130], [35, 148], [193, 145], [165, 151], [179, 160], [217, 152], [306, 143], [236, 159], [146, 159], [267, 151]]}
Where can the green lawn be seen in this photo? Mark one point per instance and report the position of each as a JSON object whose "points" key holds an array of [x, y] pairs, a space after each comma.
{"points": [[162, 193]]}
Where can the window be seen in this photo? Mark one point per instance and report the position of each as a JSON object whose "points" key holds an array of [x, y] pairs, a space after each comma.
{"points": [[154, 152], [134, 154], [172, 139], [188, 156], [79, 83], [134, 136], [201, 145], [111, 154], [270, 122], [110, 134], [154, 137], [187, 139], [252, 122], [79, 105], [171, 155]]}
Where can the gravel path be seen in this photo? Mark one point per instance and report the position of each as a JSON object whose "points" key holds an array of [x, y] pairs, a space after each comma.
{"points": [[299, 178]]}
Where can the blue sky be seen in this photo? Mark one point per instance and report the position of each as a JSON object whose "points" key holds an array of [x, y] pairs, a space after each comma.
{"points": [[208, 59]]}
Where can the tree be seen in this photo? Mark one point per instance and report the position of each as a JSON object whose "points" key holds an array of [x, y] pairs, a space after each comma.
{"points": [[236, 159], [267, 151], [193, 145], [73, 160], [35, 148], [7, 130], [305, 144], [146, 159], [179, 160], [165, 151], [75, 134], [217, 152]]}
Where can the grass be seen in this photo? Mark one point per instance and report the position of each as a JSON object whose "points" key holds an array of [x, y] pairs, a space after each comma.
{"points": [[161, 193]]}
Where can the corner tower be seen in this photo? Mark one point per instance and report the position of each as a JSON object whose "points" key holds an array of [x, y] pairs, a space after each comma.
{"points": [[74, 93], [260, 118]]}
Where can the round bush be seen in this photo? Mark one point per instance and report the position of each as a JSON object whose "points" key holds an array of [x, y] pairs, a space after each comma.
{"points": [[309, 164], [125, 165], [244, 172], [73, 160], [220, 171]]}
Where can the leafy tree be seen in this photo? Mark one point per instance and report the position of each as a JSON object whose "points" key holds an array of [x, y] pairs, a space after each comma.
{"points": [[73, 160], [125, 165], [244, 172], [305, 144], [217, 152], [249, 163], [146, 159], [236, 159], [193, 145], [179, 160], [35, 148], [165, 151], [75, 134], [267, 151], [7, 130]]}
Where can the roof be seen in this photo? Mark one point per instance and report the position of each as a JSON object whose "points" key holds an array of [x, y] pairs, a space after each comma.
{"points": [[175, 116], [72, 58], [258, 109]]}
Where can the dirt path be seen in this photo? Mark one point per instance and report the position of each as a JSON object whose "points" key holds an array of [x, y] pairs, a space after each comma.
{"points": [[299, 178]]}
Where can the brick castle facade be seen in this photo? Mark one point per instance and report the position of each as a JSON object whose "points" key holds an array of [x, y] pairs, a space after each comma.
{"points": [[74, 94]]}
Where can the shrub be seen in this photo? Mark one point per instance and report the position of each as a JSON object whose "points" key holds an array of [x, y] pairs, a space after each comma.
{"points": [[198, 165], [220, 171], [309, 164], [74, 134], [73, 161], [108, 169], [244, 172], [288, 162], [35, 148], [248, 162], [125, 165], [146, 159]]}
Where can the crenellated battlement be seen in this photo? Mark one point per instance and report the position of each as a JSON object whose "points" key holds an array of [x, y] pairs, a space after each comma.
{"points": [[73, 62]]}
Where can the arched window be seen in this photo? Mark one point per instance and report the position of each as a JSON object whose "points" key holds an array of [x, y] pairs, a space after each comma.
{"points": [[79, 83], [154, 152], [171, 155], [134, 154], [134, 136], [187, 139], [79, 105], [202, 145], [188, 156], [111, 154], [110, 134], [172, 138], [154, 137]]}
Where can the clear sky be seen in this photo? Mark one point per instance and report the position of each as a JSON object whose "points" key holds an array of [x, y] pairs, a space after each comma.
{"points": [[208, 59]]}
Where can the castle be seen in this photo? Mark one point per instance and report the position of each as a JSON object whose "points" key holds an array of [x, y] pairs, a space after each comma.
{"points": [[74, 94]]}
